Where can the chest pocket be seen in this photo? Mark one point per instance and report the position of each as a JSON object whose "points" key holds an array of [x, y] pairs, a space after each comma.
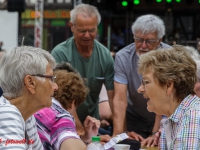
{"points": [[96, 84]]}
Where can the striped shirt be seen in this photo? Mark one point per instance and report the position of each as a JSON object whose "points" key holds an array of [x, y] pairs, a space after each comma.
{"points": [[183, 125], [55, 125], [14, 131]]}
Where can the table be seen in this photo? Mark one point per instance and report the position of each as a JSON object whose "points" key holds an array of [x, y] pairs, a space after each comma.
{"points": [[150, 148]]}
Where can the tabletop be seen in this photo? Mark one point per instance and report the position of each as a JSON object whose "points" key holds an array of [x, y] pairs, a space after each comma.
{"points": [[149, 148]]}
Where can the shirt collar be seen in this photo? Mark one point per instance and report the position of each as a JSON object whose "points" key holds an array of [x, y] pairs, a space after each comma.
{"points": [[183, 106]]}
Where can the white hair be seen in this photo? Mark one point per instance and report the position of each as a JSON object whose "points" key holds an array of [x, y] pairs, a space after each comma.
{"points": [[86, 10], [195, 55], [19, 62], [149, 24]]}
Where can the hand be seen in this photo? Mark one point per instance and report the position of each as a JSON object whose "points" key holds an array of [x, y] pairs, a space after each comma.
{"points": [[157, 137], [91, 126], [104, 139], [133, 135], [149, 142], [104, 123]]}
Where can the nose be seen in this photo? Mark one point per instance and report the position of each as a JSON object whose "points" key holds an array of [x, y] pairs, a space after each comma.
{"points": [[55, 87], [144, 45], [87, 34], [141, 89]]}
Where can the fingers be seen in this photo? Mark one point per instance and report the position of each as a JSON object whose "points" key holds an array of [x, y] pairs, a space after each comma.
{"points": [[149, 142], [104, 123], [144, 143], [140, 138], [136, 136], [105, 138], [91, 122], [156, 139]]}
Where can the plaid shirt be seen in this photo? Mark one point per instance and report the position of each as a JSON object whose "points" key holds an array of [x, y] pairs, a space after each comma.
{"points": [[183, 125]]}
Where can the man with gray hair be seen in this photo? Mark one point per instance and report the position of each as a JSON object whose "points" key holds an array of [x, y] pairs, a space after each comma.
{"points": [[90, 58], [195, 55], [148, 31]]}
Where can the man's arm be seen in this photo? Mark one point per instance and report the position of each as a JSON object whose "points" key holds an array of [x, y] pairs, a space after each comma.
{"points": [[110, 97], [118, 107], [157, 123]]}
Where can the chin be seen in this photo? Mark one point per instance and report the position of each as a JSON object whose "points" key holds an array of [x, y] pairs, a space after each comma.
{"points": [[149, 109]]}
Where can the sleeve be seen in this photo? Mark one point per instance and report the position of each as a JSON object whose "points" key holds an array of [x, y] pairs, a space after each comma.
{"points": [[12, 129], [188, 136], [120, 72], [62, 129], [34, 139], [56, 54], [109, 74]]}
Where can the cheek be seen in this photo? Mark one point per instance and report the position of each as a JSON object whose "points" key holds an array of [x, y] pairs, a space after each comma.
{"points": [[93, 36], [197, 88], [156, 46], [137, 46]]}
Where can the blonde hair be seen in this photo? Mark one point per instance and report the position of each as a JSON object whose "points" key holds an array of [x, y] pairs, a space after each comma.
{"points": [[172, 64]]}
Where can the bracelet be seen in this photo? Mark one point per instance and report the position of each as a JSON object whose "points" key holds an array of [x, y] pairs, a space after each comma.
{"points": [[153, 133], [86, 143]]}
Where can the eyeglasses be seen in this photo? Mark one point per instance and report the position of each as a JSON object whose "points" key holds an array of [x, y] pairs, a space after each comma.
{"points": [[52, 78], [148, 42], [90, 31], [144, 82]]}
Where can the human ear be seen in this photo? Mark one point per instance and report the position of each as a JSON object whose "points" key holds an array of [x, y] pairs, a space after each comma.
{"points": [[72, 28], [170, 87], [30, 83]]}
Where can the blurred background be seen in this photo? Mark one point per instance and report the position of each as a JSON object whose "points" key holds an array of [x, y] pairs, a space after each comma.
{"points": [[46, 23]]}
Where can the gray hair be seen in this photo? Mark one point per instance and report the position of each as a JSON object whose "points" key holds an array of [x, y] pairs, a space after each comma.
{"points": [[86, 10], [149, 24], [195, 55], [19, 62]]}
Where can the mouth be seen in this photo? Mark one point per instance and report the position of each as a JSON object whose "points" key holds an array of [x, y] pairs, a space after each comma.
{"points": [[143, 51], [86, 40], [145, 96]]}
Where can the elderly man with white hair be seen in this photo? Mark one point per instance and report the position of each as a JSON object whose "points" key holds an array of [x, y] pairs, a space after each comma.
{"points": [[148, 31], [195, 55]]}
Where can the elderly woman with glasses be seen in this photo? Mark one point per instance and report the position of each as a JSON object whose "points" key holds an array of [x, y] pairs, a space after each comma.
{"points": [[56, 125], [169, 77], [27, 81]]}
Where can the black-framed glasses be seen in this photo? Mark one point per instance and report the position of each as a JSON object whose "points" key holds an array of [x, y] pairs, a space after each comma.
{"points": [[144, 82], [52, 78], [148, 42], [90, 31]]}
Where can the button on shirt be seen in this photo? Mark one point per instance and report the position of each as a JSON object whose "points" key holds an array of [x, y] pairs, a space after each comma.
{"points": [[184, 124]]}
